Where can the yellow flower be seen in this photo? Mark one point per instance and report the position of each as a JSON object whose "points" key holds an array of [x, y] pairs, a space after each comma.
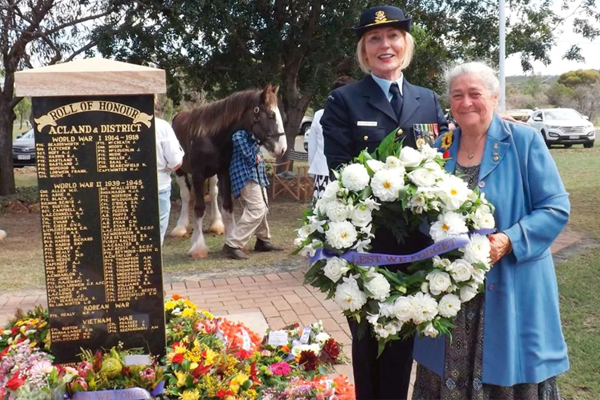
{"points": [[188, 312], [210, 356], [190, 394], [238, 381], [189, 304], [169, 305], [208, 315], [447, 140], [181, 378], [251, 393]]}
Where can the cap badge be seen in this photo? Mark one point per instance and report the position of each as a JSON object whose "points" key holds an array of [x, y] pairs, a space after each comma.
{"points": [[380, 17]]}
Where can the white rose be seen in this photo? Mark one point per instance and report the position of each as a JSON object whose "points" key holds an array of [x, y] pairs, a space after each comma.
{"points": [[483, 218], [410, 157], [425, 307], [341, 235], [449, 306], [349, 296], [377, 285], [361, 215], [335, 268], [460, 270], [355, 177], [425, 287], [435, 168], [386, 309], [439, 281], [430, 331], [403, 309], [337, 210], [478, 275], [429, 152], [478, 250], [467, 292], [441, 263], [422, 177], [375, 165]]}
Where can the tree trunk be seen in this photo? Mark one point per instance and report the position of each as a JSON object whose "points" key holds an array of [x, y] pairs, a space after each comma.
{"points": [[7, 177]]}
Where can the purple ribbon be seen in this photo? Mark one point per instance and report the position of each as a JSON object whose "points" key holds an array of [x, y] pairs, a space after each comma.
{"points": [[375, 259], [119, 394]]}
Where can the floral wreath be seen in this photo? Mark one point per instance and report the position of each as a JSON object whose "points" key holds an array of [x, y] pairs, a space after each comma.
{"points": [[401, 189]]}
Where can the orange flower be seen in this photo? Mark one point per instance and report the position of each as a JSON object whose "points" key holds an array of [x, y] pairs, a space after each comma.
{"points": [[177, 297]]}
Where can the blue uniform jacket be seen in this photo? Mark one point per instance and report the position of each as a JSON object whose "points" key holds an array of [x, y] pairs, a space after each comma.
{"points": [[523, 340], [359, 116]]}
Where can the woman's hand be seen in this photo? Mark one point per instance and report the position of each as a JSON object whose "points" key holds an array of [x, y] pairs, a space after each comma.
{"points": [[500, 246]]}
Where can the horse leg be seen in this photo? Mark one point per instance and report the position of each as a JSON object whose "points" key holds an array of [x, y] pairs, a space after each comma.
{"points": [[226, 202], [183, 223], [198, 249], [217, 226]]}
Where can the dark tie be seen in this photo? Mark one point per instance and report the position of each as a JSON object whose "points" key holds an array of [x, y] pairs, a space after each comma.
{"points": [[396, 99]]}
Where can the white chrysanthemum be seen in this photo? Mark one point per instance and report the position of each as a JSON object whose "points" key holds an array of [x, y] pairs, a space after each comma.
{"points": [[403, 309], [410, 157], [467, 292], [448, 224], [460, 270], [483, 218], [430, 331], [337, 210], [429, 152], [453, 191], [478, 250], [349, 296], [449, 305], [386, 185], [424, 307], [341, 235], [361, 215], [335, 268], [422, 177], [439, 281], [377, 285], [371, 203], [355, 177], [375, 165]]}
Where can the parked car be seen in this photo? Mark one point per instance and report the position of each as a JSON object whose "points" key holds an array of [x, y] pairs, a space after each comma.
{"points": [[563, 126], [305, 124], [24, 149], [520, 114]]}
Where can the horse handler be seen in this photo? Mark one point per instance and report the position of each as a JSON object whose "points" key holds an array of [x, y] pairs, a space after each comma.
{"points": [[248, 182]]}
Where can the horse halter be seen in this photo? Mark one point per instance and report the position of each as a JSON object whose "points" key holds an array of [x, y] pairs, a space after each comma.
{"points": [[269, 135]]}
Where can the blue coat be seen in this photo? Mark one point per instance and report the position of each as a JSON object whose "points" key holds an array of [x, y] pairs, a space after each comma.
{"points": [[523, 340], [351, 108]]}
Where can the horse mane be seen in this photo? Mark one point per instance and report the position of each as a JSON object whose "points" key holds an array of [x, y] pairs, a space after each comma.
{"points": [[212, 118]]}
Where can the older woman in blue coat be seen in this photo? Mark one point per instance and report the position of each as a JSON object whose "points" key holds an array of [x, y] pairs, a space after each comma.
{"points": [[508, 341]]}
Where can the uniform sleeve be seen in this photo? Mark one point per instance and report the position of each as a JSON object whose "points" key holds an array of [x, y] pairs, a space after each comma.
{"points": [[550, 206], [442, 121], [337, 133], [172, 150]]}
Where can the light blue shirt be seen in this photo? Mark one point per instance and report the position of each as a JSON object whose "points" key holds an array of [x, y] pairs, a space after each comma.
{"points": [[384, 84]]}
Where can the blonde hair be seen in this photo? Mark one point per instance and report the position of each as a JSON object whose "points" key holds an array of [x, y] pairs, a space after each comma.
{"points": [[409, 50]]}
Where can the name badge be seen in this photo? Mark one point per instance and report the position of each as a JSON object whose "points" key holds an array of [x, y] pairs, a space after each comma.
{"points": [[366, 123]]}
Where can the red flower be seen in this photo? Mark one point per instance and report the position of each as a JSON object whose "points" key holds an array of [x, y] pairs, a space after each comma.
{"points": [[331, 349], [16, 381], [254, 373], [3, 353], [222, 393], [98, 360], [177, 358], [244, 354], [309, 360], [84, 368], [447, 154], [201, 369]]}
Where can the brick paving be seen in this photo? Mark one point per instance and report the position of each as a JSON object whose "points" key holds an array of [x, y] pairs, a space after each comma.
{"points": [[280, 297]]}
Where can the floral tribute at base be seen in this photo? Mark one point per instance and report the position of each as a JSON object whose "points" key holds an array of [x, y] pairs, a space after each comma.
{"points": [[206, 358], [402, 190]]}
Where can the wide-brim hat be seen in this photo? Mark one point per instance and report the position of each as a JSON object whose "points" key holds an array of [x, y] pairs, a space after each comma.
{"points": [[381, 16]]}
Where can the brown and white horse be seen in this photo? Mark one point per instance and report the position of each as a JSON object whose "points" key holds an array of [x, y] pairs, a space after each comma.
{"points": [[2, 235], [205, 135]]}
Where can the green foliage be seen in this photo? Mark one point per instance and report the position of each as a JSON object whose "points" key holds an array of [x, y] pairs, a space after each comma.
{"points": [[573, 79]]}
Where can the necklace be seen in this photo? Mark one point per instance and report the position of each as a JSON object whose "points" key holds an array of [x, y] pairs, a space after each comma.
{"points": [[471, 154]]}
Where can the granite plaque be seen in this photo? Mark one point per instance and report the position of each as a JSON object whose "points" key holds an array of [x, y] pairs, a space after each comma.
{"points": [[96, 162]]}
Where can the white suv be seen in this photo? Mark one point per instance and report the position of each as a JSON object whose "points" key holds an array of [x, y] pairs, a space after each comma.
{"points": [[563, 126]]}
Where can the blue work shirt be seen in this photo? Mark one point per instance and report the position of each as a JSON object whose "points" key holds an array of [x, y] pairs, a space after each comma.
{"points": [[243, 163]]}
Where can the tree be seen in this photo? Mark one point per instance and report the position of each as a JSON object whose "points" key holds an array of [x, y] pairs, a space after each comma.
{"points": [[38, 32], [584, 90], [23, 109], [580, 77], [221, 46]]}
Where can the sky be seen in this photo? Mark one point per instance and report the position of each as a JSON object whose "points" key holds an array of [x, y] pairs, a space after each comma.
{"points": [[565, 38]]}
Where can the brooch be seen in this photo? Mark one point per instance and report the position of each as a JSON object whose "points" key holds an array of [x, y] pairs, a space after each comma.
{"points": [[447, 140]]}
